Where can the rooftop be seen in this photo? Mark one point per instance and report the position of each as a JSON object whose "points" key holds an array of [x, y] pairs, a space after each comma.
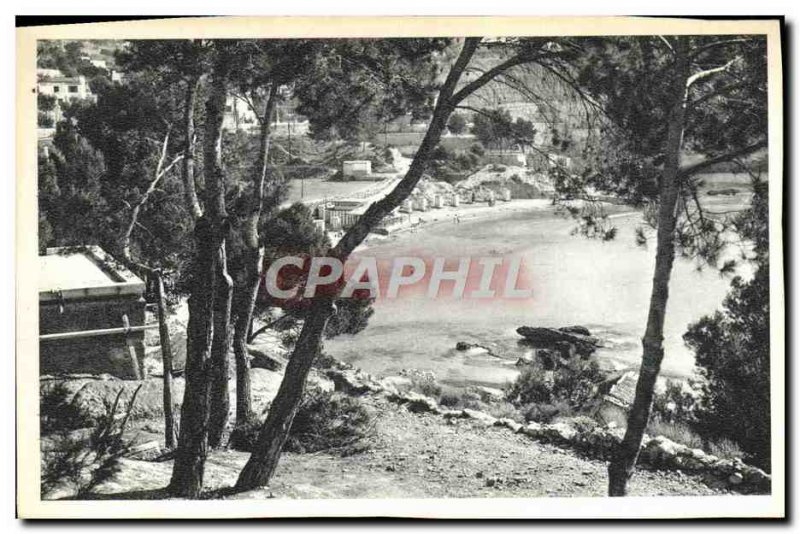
{"points": [[73, 272]]}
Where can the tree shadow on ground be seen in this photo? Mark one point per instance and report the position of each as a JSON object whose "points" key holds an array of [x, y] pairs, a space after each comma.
{"points": [[152, 495]]}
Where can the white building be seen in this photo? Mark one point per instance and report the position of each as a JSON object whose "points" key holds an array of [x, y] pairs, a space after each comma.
{"points": [[64, 88], [356, 169], [238, 115]]}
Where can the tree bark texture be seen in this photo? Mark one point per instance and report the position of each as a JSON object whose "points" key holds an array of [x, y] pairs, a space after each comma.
{"points": [[626, 454], [210, 229], [189, 186], [246, 289], [264, 459], [166, 358], [219, 399]]}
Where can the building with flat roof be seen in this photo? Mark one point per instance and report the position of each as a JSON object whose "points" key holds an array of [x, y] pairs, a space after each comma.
{"points": [[91, 314]]}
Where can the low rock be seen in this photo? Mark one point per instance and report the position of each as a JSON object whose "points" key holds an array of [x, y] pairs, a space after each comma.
{"points": [[259, 359], [490, 394], [352, 382], [548, 337], [463, 346], [559, 433], [418, 403], [532, 429], [395, 384], [479, 416], [524, 360], [735, 479], [508, 423]]}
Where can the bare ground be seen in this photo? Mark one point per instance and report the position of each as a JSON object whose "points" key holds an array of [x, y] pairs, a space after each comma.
{"points": [[415, 456]]}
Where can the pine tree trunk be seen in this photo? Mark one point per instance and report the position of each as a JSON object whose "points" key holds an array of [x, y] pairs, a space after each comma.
{"points": [[247, 289], [210, 228], [166, 358], [219, 399], [626, 454], [190, 458], [264, 459], [189, 188], [244, 303]]}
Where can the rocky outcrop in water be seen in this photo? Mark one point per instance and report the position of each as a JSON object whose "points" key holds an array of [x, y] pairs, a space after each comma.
{"points": [[564, 342]]}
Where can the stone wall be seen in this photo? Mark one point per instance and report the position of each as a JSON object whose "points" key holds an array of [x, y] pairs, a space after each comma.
{"points": [[598, 442], [92, 355]]}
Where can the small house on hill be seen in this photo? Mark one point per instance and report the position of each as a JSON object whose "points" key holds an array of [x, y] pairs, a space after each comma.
{"points": [[513, 157], [356, 169], [91, 314]]}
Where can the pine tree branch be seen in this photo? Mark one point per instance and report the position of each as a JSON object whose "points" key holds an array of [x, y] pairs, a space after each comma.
{"points": [[706, 73], [690, 170]]}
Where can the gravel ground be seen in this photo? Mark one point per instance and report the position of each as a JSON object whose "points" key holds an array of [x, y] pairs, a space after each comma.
{"points": [[416, 456]]}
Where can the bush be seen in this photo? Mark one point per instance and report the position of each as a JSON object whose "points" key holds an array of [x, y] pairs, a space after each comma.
{"points": [[732, 349], [574, 384], [726, 449], [72, 459], [674, 404], [423, 382], [505, 410], [325, 421], [545, 412], [59, 410], [450, 397], [677, 432], [457, 123], [43, 120], [582, 423]]}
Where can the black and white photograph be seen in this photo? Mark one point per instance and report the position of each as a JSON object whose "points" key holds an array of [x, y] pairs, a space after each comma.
{"points": [[453, 268]]}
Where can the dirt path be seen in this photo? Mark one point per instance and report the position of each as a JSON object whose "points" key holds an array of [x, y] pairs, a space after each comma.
{"points": [[417, 456]]}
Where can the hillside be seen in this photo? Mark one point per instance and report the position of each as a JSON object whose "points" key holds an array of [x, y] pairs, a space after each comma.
{"points": [[417, 456]]}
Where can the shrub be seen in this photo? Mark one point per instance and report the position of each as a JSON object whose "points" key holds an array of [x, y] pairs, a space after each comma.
{"points": [[83, 463], [460, 398], [674, 404], [450, 397], [732, 347], [505, 410], [59, 410], [423, 382], [582, 423], [325, 421], [457, 123], [726, 449], [545, 412], [574, 384], [677, 432]]}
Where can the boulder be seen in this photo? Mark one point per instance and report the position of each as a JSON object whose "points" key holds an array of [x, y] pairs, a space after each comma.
{"points": [[532, 430], [259, 359], [548, 337], [508, 423], [559, 433], [465, 346], [352, 382], [735, 479], [395, 384], [479, 416], [490, 394], [418, 403], [576, 329], [525, 359]]}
